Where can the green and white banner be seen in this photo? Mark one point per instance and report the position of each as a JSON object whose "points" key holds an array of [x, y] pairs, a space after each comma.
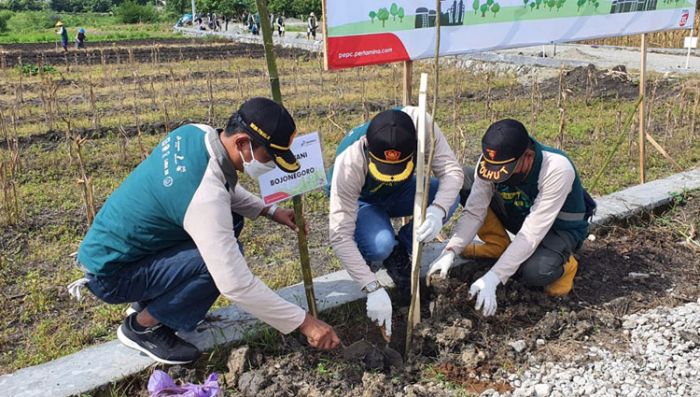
{"points": [[362, 32]]}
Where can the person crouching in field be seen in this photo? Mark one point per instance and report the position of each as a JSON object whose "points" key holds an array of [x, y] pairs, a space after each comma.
{"points": [[373, 181], [532, 191], [80, 39], [167, 237]]}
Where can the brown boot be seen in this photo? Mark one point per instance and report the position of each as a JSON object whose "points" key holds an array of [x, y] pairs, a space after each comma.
{"points": [[565, 283], [494, 236]]}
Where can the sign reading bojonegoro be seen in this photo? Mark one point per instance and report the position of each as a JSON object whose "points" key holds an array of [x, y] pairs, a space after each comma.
{"points": [[364, 32], [277, 185]]}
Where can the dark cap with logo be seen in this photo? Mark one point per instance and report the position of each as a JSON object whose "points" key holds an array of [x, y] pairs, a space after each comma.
{"points": [[502, 145], [270, 125], [391, 142]]}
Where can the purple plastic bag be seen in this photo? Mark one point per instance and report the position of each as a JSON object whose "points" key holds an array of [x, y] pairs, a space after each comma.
{"points": [[162, 385]]}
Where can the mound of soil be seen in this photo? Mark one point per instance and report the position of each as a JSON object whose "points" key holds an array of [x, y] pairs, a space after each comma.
{"points": [[623, 271], [580, 82]]}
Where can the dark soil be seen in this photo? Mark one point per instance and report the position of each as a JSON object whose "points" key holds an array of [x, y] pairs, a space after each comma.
{"points": [[457, 345], [168, 50], [587, 82]]}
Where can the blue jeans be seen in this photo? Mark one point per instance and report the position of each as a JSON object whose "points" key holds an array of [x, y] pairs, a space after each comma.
{"points": [[174, 285], [374, 234]]}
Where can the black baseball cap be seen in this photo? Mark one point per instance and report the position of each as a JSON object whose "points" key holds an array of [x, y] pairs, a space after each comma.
{"points": [[391, 142], [502, 145], [269, 124]]}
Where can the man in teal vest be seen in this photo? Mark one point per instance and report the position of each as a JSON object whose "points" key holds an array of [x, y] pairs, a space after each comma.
{"points": [[534, 192], [165, 238]]}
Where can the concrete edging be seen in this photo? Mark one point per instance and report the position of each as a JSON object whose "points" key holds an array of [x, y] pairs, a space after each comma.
{"points": [[99, 365]]}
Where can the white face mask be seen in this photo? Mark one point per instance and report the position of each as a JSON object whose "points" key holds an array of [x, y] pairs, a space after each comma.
{"points": [[255, 168]]}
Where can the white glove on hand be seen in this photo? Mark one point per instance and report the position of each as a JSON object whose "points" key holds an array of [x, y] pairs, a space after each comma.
{"points": [[379, 309], [485, 288], [432, 224], [443, 263]]}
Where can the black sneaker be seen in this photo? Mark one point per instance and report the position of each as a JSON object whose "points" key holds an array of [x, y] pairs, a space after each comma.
{"points": [[158, 342]]}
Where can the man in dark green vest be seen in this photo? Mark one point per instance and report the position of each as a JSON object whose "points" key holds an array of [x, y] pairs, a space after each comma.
{"points": [[532, 191]]}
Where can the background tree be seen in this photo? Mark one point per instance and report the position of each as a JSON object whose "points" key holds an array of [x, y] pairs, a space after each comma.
{"points": [[5, 16], [281, 6], [372, 15], [383, 15], [495, 8], [394, 10], [131, 11], [475, 6], [101, 5]]}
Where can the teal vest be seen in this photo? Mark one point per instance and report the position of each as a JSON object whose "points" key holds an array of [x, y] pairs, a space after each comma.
{"points": [[518, 200], [145, 214]]}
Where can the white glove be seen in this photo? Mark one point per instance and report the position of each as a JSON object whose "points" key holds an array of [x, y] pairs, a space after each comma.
{"points": [[432, 224], [485, 288], [443, 263], [379, 309]]}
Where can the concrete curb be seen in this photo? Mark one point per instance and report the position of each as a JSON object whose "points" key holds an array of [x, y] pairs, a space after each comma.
{"points": [[99, 365]]}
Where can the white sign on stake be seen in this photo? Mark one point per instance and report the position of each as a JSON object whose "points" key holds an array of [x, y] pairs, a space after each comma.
{"points": [[277, 185], [690, 42]]}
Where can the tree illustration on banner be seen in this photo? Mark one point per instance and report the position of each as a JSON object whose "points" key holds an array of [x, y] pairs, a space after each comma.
{"points": [[401, 14], [394, 10], [383, 15], [475, 6], [484, 9], [495, 8], [372, 15]]}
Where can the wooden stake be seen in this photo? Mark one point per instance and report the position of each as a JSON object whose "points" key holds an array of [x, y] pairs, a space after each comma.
{"points": [[422, 181], [298, 204], [418, 210], [642, 119], [407, 82], [663, 152]]}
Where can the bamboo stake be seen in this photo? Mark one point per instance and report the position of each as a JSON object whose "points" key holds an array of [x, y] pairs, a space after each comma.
{"points": [[298, 204], [642, 119], [620, 139]]}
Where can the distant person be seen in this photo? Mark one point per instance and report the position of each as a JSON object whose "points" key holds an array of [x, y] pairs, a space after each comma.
{"points": [[80, 39], [200, 24], [257, 23], [279, 24], [250, 21], [167, 237], [64, 35], [311, 26]]}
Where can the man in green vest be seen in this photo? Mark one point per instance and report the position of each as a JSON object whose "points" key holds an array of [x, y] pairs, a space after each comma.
{"points": [[532, 191]]}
